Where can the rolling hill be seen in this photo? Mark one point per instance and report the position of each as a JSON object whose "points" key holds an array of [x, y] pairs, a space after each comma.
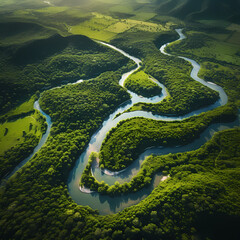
{"points": [[200, 9]]}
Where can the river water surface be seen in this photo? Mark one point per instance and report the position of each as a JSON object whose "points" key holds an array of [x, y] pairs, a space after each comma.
{"points": [[110, 205]]}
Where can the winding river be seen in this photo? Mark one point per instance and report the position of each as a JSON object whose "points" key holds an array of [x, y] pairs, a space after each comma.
{"points": [[109, 205]]}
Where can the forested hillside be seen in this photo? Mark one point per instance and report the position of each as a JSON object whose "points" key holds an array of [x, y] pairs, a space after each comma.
{"points": [[201, 9], [107, 131]]}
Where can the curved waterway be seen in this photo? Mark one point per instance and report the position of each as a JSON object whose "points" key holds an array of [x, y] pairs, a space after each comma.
{"points": [[109, 205]]}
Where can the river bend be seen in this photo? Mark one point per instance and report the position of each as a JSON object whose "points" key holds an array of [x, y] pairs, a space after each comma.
{"points": [[106, 204]]}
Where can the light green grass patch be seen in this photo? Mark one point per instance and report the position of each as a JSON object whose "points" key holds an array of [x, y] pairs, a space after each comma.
{"points": [[119, 27], [105, 28], [23, 108], [23, 15], [5, 2], [92, 33], [234, 27], [147, 26], [15, 131], [151, 27], [96, 28], [221, 51]]}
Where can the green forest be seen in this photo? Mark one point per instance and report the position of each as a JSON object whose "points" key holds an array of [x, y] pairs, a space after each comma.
{"points": [[142, 84], [51, 54]]}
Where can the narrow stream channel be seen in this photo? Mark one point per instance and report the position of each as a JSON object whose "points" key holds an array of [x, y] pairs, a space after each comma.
{"points": [[110, 205]]}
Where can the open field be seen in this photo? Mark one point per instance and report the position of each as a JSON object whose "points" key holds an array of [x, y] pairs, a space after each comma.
{"points": [[224, 47], [24, 108], [67, 20], [220, 51], [12, 133], [96, 27], [105, 28]]}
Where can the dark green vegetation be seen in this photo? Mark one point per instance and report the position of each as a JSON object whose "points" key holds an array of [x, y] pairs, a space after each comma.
{"points": [[45, 63], [183, 9], [201, 9], [216, 53], [20, 131], [20, 32], [186, 94], [71, 107], [201, 197], [13, 156], [142, 84], [128, 140], [201, 194], [32, 66], [90, 102]]}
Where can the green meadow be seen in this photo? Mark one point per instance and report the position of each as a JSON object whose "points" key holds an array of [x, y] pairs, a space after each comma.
{"points": [[13, 132], [106, 28], [18, 123], [24, 108]]}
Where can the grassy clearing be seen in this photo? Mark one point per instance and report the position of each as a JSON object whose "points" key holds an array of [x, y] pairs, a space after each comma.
{"points": [[212, 48], [220, 51], [66, 20], [12, 133], [96, 27], [22, 14], [234, 27], [91, 33], [105, 28], [230, 37], [119, 27], [24, 108]]}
